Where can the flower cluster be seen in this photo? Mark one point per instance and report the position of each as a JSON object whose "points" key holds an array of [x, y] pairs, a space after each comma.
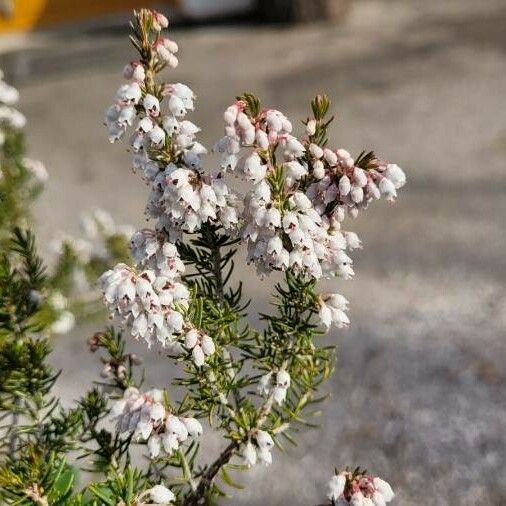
{"points": [[13, 120], [148, 418], [165, 147], [301, 189], [276, 384], [152, 252], [358, 489], [353, 184], [183, 198], [79, 259], [97, 230], [151, 306], [258, 449], [9, 116], [151, 300]]}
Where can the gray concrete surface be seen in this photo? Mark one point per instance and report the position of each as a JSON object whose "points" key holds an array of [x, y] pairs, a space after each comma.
{"points": [[419, 393]]}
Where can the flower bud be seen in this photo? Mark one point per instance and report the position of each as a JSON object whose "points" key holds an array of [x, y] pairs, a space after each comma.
{"points": [[207, 345], [191, 338], [387, 189], [311, 127], [330, 157], [316, 151], [264, 439], [359, 176], [249, 454], [157, 412], [318, 170], [230, 115], [198, 356], [357, 194], [154, 446], [344, 185]]}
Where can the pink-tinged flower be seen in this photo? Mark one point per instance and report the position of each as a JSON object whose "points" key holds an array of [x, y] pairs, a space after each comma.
{"points": [[358, 489], [159, 20], [134, 71], [166, 50], [336, 486]]}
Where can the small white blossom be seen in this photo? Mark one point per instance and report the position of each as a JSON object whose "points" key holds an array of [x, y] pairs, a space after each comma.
{"points": [[8, 94], [166, 50], [151, 105], [396, 175], [154, 446], [134, 71], [144, 303], [161, 495], [145, 415], [332, 310], [264, 440], [265, 384], [159, 20], [129, 94], [311, 127], [249, 454], [200, 344], [64, 323], [352, 240], [384, 488], [37, 168], [193, 426], [336, 486], [265, 456], [387, 188]]}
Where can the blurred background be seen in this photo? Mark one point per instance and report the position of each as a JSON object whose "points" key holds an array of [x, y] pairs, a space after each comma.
{"points": [[419, 394]]}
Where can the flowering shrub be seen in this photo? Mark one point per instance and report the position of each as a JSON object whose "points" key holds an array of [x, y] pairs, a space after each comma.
{"points": [[255, 387], [77, 261]]}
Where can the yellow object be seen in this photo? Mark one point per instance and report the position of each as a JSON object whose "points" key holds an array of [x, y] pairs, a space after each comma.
{"points": [[25, 15]]}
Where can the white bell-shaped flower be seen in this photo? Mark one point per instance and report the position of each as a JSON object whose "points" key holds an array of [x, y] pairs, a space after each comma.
{"points": [[249, 454], [161, 495]]}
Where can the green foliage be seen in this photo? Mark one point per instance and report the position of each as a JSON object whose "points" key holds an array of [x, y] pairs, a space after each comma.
{"points": [[39, 432], [22, 278], [18, 187], [120, 488], [33, 478], [252, 102], [24, 373]]}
